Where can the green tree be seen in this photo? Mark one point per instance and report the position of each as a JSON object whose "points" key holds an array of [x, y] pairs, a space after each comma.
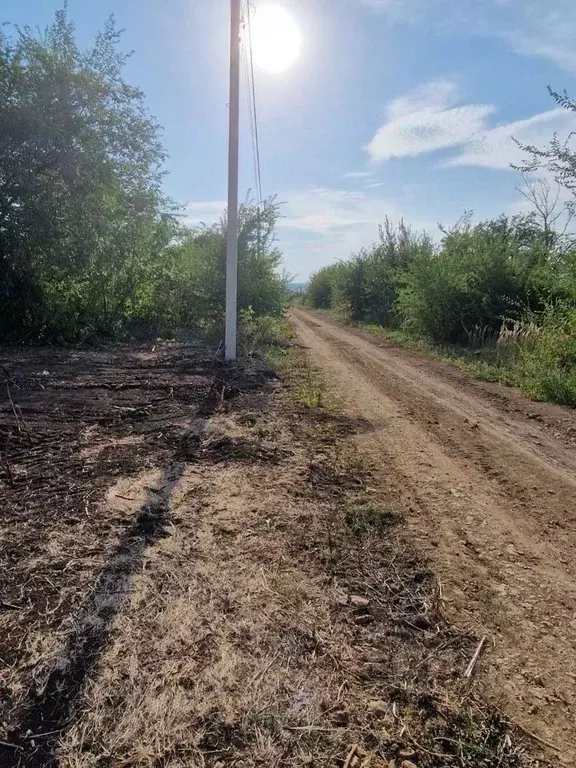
{"points": [[82, 217], [319, 293], [559, 157], [191, 288]]}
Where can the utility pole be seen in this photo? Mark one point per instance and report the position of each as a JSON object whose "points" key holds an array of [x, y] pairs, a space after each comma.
{"points": [[233, 141]]}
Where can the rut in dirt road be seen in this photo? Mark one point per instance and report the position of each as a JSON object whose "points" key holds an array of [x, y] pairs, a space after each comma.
{"points": [[487, 480]]}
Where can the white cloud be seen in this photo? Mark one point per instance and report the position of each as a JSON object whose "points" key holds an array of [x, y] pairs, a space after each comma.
{"points": [[426, 120], [208, 212], [496, 148], [429, 119]]}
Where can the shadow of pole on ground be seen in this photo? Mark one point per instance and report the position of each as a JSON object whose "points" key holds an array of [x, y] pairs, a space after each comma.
{"points": [[47, 713]]}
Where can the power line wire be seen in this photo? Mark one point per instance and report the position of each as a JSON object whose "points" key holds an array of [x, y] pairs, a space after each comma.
{"points": [[254, 108], [250, 116]]}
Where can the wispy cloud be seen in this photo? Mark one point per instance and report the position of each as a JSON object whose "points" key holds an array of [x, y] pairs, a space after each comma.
{"points": [[324, 210], [427, 120], [322, 225], [196, 213], [496, 148], [545, 29]]}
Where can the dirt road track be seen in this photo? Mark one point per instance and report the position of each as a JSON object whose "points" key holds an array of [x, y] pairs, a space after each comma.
{"points": [[487, 481]]}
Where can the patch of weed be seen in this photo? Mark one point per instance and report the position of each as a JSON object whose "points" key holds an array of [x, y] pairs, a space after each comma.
{"points": [[365, 518], [309, 392]]}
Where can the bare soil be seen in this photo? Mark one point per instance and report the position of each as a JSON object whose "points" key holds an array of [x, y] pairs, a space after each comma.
{"points": [[90, 450], [487, 482], [196, 571]]}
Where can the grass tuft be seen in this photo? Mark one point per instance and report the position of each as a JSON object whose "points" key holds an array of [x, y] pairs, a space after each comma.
{"points": [[366, 518]]}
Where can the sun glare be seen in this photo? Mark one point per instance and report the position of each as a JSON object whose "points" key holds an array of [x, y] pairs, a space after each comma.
{"points": [[276, 40]]}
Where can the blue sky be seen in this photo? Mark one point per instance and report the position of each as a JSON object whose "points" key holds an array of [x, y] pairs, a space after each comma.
{"points": [[403, 108]]}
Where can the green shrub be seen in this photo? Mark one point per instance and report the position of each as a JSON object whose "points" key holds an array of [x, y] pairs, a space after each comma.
{"points": [[319, 293], [365, 287], [462, 291], [548, 363], [257, 332]]}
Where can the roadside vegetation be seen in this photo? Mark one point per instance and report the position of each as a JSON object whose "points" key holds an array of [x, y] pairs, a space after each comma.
{"points": [[89, 245], [498, 297]]}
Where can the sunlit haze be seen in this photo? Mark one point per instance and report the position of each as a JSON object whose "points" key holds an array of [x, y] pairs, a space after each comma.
{"points": [[276, 38]]}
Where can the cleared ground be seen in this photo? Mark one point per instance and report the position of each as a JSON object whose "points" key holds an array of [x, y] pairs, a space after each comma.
{"points": [[487, 481], [199, 571]]}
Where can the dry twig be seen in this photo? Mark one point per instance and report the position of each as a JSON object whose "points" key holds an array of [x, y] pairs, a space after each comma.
{"points": [[350, 756], [533, 736], [8, 606], [13, 407], [10, 746], [474, 659]]}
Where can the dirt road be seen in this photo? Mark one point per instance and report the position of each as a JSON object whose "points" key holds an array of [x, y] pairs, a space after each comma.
{"points": [[487, 482]]}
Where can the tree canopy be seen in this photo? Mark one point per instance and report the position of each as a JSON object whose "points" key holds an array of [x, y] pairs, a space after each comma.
{"points": [[88, 241]]}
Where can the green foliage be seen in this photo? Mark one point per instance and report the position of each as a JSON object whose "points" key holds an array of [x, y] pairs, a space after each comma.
{"points": [[319, 293], [462, 291], [365, 288], [88, 244], [363, 519], [81, 214], [259, 332], [498, 298], [190, 288], [383, 264], [547, 364], [309, 392]]}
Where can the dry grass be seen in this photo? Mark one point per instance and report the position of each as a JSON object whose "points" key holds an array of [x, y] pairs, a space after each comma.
{"points": [[278, 624], [218, 649], [259, 610]]}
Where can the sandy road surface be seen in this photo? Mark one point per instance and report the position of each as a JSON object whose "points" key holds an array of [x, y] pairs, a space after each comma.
{"points": [[487, 480]]}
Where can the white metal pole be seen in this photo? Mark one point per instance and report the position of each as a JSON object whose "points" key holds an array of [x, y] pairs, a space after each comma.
{"points": [[233, 140]]}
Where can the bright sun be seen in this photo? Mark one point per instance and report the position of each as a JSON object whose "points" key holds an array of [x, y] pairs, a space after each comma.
{"points": [[276, 40]]}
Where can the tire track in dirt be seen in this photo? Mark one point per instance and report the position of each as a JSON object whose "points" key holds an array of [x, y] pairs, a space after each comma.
{"points": [[488, 495]]}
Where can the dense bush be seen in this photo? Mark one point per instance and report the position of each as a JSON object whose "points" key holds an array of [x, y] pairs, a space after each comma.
{"points": [[319, 293], [365, 288], [190, 290], [503, 288], [88, 243], [547, 361], [476, 278]]}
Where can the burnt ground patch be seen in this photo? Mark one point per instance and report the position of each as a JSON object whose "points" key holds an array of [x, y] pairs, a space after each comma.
{"points": [[71, 424]]}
